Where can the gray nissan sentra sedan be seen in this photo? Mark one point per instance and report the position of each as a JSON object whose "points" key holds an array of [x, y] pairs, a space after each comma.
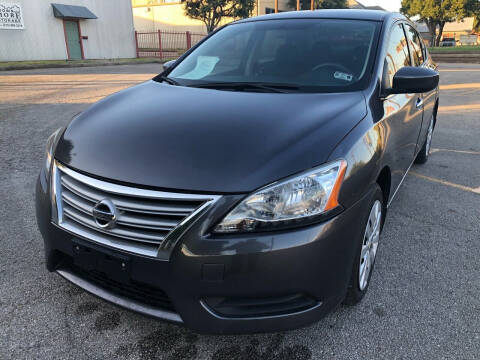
{"points": [[244, 189]]}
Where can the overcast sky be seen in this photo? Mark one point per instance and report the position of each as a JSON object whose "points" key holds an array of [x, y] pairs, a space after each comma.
{"points": [[391, 5]]}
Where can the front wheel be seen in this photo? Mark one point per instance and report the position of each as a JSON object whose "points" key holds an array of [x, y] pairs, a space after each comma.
{"points": [[366, 250], [422, 156]]}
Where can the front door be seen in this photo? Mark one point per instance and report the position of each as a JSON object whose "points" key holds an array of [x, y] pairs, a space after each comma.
{"points": [[402, 112], [429, 98], [73, 40]]}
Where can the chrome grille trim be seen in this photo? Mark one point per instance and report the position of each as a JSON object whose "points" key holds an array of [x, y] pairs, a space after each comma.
{"points": [[94, 195], [84, 219], [149, 222]]}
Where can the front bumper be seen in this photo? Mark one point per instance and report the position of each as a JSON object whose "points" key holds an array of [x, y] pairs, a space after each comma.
{"points": [[226, 284]]}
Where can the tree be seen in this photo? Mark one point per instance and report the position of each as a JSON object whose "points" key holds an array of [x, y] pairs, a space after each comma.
{"points": [[435, 13], [318, 4], [472, 8], [211, 12]]}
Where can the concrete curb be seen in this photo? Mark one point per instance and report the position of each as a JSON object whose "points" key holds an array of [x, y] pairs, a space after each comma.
{"points": [[54, 66], [467, 57]]}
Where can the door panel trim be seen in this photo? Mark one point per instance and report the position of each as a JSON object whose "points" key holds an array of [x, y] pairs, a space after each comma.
{"points": [[80, 39]]}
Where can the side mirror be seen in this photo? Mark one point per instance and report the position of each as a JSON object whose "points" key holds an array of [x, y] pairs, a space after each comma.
{"points": [[410, 79], [168, 64]]}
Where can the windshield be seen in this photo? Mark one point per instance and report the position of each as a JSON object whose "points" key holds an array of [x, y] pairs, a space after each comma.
{"points": [[310, 54]]}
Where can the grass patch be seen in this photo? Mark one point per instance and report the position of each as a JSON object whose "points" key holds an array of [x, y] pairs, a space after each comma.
{"points": [[455, 49], [6, 65]]}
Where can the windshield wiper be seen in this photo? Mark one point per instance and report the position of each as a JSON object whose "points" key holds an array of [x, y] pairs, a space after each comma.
{"points": [[169, 80], [271, 87]]}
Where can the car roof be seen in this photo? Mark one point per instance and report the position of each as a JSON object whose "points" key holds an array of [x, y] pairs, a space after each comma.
{"points": [[350, 14]]}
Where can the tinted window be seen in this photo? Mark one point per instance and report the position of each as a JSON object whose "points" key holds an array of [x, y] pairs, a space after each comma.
{"points": [[415, 44], [397, 53], [313, 54]]}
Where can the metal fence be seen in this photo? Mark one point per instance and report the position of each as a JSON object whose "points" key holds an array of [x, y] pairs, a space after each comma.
{"points": [[165, 44]]}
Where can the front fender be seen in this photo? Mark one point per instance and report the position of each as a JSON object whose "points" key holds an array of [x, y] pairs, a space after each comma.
{"points": [[363, 148]]}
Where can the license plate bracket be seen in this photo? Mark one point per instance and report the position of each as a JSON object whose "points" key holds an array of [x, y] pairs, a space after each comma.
{"points": [[91, 258]]}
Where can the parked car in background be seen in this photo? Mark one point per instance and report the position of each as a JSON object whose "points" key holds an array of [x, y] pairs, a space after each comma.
{"points": [[448, 42], [245, 188]]}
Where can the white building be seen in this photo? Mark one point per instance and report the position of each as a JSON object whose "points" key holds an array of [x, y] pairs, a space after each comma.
{"points": [[72, 29]]}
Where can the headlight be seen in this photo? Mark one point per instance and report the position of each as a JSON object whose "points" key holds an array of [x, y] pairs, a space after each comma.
{"points": [[52, 140], [287, 202]]}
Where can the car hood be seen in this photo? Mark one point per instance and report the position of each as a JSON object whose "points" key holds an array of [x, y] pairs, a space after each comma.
{"points": [[182, 138]]}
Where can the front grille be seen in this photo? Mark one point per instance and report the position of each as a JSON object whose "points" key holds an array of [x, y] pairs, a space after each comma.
{"points": [[147, 222], [139, 292]]}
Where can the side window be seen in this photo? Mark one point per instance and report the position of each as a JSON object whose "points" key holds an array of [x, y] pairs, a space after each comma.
{"points": [[415, 44], [397, 55], [424, 48]]}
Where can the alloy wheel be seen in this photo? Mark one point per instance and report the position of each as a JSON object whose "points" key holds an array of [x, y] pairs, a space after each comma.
{"points": [[370, 244]]}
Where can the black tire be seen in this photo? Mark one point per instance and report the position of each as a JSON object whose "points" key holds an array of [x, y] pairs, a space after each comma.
{"points": [[354, 292], [422, 156]]}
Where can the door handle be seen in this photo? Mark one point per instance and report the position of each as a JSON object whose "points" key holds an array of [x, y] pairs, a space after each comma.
{"points": [[419, 103]]}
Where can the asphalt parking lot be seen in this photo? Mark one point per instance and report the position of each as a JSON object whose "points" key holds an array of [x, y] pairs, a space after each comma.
{"points": [[423, 303]]}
